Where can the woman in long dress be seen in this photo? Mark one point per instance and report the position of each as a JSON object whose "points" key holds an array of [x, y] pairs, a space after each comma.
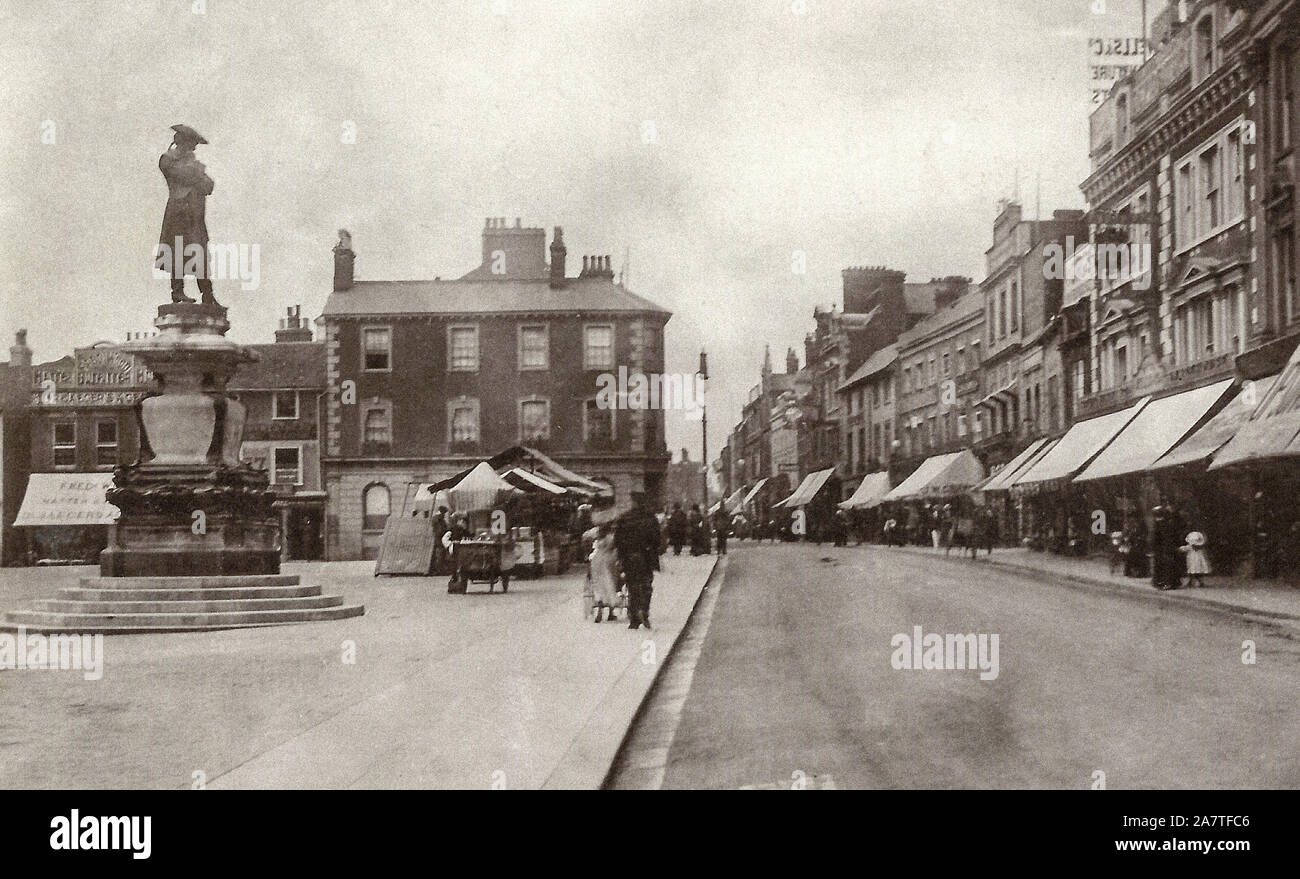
{"points": [[604, 572]]}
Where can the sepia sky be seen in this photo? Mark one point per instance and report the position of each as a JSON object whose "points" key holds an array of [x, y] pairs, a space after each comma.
{"points": [[858, 132]]}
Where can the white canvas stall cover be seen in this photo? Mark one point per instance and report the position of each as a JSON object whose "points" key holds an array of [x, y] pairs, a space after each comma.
{"points": [[480, 489]]}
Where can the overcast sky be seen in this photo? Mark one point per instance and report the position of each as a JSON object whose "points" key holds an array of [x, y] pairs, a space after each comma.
{"points": [[867, 132]]}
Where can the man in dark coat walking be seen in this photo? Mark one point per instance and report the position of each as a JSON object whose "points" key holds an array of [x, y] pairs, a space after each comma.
{"points": [[183, 243], [636, 540], [677, 528], [721, 529]]}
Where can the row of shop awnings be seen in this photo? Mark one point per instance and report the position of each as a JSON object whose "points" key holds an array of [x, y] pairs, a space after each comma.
{"points": [[807, 490], [1261, 421]]}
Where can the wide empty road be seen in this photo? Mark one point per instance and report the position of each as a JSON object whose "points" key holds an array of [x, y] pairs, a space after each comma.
{"points": [[795, 682]]}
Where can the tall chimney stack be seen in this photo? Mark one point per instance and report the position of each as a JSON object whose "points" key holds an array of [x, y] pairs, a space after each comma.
{"points": [[558, 254], [19, 353], [293, 327], [343, 260]]}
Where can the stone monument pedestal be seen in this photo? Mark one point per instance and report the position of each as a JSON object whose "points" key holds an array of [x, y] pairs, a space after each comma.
{"points": [[190, 507]]}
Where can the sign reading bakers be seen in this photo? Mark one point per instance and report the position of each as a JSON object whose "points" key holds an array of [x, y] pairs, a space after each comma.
{"points": [[67, 499]]}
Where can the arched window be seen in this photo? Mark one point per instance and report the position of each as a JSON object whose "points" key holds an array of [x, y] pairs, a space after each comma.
{"points": [[375, 506]]}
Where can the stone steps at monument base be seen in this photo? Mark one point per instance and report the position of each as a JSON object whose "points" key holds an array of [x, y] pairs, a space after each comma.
{"points": [[129, 623], [221, 605], [76, 593], [247, 581]]}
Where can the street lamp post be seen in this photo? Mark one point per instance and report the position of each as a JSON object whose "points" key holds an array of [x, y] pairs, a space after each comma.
{"points": [[704, 431]]}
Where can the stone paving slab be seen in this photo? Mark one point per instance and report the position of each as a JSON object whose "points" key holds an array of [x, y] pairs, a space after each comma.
{"points": [[462, 691]]}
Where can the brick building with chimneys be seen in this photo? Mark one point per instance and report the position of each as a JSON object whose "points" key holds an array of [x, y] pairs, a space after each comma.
{"points": [[428, 377]]}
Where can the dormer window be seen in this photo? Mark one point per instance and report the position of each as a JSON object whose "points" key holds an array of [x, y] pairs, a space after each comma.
{"points": [[1204, 43], [1121, 120]]}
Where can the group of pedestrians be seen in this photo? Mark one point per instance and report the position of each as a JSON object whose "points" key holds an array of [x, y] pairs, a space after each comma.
{"points": [[694, 530]]}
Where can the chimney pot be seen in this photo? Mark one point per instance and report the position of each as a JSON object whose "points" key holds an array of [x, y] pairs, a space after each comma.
{"points": [[558, 255], [20, 354], [343, 261]]}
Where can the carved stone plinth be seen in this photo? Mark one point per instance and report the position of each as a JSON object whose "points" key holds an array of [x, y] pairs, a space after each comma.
{"points": [[189, 506]]}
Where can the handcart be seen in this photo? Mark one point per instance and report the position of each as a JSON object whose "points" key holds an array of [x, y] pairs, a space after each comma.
{"points": [[481, 560]]}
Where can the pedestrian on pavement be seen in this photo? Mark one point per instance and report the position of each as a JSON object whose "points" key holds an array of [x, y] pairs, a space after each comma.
{"points": [[1198, 563], [604, 571], [840, 527], [636, 539], [438, 563], [1266, 545], [677, 526], [699, 531], [721, 529], [1166, 539]]}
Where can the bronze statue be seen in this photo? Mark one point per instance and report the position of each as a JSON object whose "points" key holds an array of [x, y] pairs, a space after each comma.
{"points": [[183, 244]]}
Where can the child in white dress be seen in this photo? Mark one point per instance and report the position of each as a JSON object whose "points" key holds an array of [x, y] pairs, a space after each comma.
{"points": [[1198, 563]]}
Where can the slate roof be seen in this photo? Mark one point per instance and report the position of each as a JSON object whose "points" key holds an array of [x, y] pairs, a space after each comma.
{"points": [[283, 365], [873, 364], [469, 296]]}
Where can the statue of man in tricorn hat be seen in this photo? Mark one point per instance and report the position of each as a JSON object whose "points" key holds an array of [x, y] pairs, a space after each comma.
{"points": [[183, 244]]}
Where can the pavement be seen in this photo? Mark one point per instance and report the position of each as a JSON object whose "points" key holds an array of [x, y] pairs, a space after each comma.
{"points": [[795, 686], [1269, 598], [426, 690]]}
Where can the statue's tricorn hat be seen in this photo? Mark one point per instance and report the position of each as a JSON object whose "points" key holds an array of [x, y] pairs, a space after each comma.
{"points": [[189, 133]]}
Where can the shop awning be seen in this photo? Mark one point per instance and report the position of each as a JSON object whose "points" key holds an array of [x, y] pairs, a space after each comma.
{"points": [[753, 492], [1216, 432], [67, 499], [1079, 446], [732, 503], [807, 490], [520, 478], [869, 494], [1001, 481], [1273, 430], [938, 475], [1154, 431]]}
